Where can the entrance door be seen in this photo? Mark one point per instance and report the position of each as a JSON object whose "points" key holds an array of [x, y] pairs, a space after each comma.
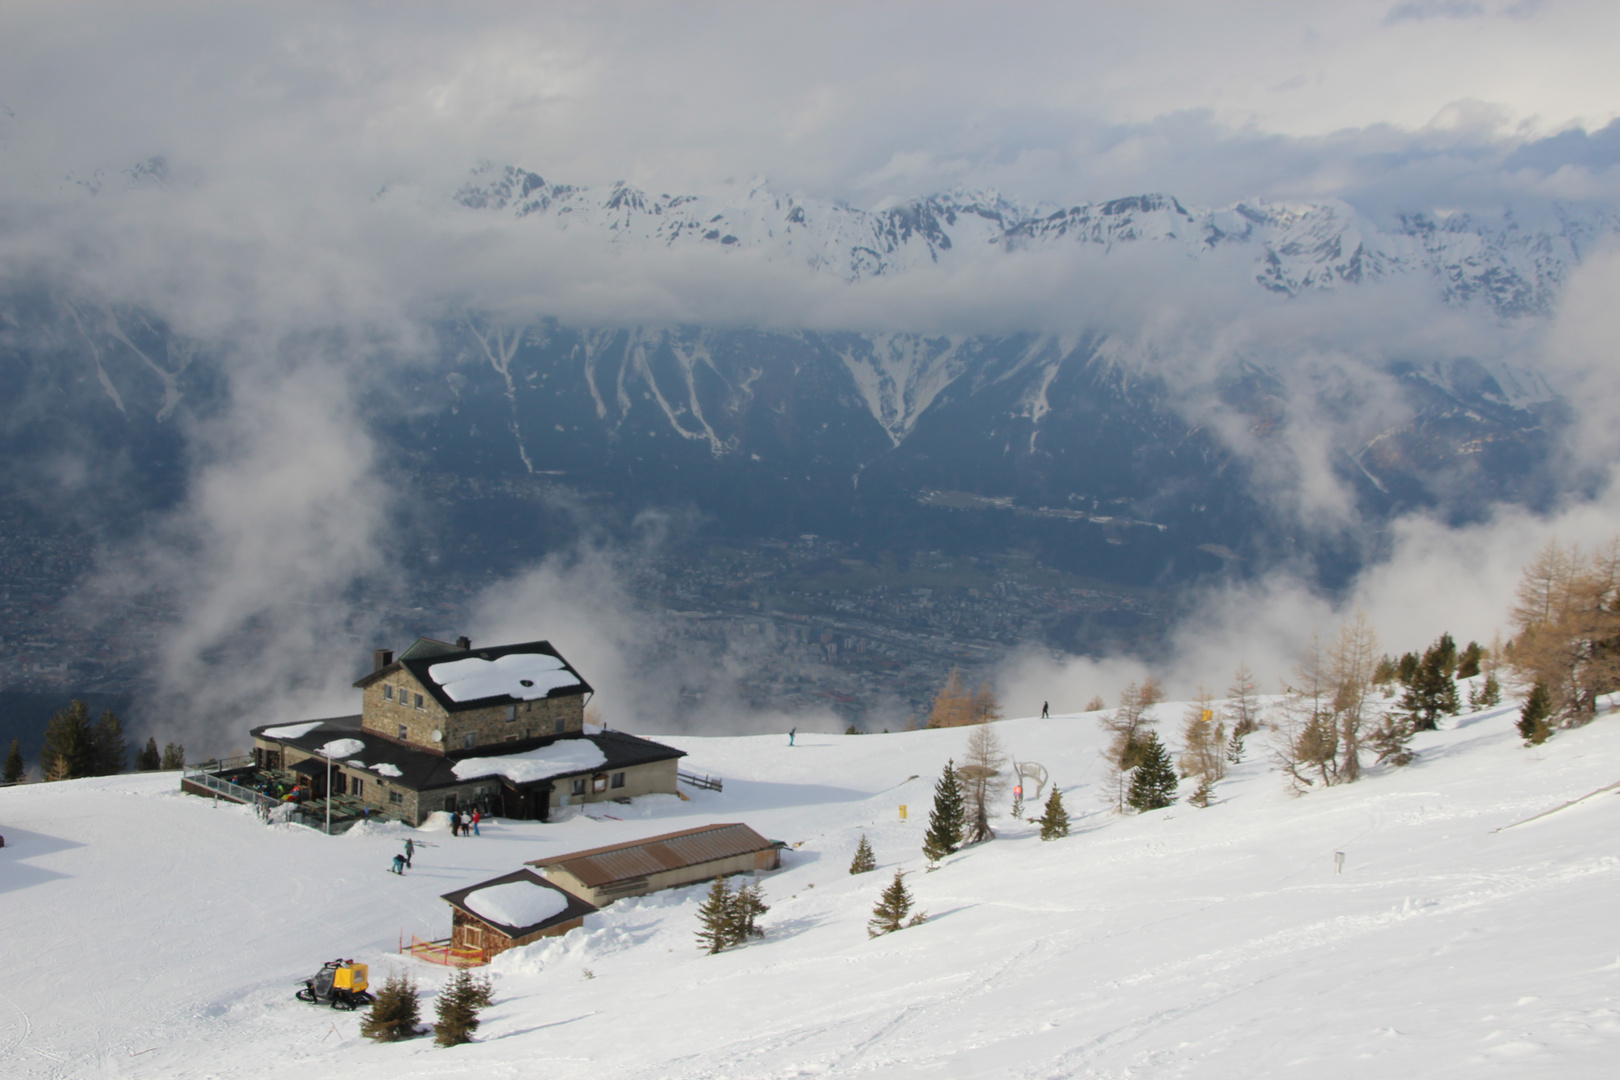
{"points": [[340, 783]]}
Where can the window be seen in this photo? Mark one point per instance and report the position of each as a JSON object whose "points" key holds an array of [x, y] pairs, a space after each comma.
{"points": [[403, 733], [469, 740], [395, 798], [388, 692], [618, 779], [599, 782], [511, 713], [562, 725], [359, 787], [579, 786], [418, 701]]}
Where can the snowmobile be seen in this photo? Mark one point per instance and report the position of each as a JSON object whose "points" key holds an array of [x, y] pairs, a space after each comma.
{"points": [[340, 984]]}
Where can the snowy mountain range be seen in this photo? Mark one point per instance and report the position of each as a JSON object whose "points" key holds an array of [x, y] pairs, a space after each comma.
{"points": [[1515, 267]]}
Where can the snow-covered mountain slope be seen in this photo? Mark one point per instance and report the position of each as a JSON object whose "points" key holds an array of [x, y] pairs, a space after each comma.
{"points": [[1514, 267], [154, 935]]}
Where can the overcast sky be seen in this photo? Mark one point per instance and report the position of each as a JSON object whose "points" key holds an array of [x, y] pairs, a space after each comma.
{"points": [[1418, 101]]}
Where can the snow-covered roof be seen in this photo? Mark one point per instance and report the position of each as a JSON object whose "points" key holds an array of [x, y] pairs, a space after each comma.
{"points": [[561, 758], [291, 731], [519, 903], [525, 676], [341, 748], [516, 903]]}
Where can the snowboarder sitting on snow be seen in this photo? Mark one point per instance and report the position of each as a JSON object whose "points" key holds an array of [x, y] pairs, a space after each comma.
{"points": [[399, 865]]}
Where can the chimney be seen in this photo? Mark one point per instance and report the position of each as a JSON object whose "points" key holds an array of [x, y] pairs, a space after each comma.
{"points": [[381, 659], [464, 643]]}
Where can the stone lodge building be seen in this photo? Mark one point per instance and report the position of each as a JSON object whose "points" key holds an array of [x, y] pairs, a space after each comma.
{"points": [[447, 727]]}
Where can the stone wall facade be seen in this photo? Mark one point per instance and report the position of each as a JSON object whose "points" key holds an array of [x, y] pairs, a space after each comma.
{"points": [[389, 708], [653, 778]]}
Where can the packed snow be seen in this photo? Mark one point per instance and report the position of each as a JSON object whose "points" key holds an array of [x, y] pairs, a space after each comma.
{"points": [[292, 731], [157, 935], [341, 748], [558, 759], [525, 676], [386, 770], [517, 903]]}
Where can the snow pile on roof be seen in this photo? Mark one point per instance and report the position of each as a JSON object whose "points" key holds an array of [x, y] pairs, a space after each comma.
{"points": [[341, 748], [291, 731], [565, 756], [525, 676], [386, 770], [516, 904]]}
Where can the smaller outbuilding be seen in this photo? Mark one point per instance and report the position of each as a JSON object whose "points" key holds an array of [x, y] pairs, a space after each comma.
{"points": [[605, 874], [515, 909]]}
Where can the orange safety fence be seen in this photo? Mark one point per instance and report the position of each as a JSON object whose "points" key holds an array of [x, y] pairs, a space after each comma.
{"points": [[442, 952]]}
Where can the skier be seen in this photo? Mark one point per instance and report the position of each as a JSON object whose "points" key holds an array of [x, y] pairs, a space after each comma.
{"points": [[399, 865], [477, 816], [410, 849], [791, 732], [1045, 713]]}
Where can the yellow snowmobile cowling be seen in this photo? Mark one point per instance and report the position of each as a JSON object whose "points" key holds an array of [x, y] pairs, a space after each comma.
{"points": [[350, 977]]}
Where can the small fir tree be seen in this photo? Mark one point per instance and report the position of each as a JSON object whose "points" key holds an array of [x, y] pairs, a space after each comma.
{"points": [[1234, 749], [747, 905], [149, 758], [69, 749], [1533, 715], [1468, 663], [1389, 741], [111, 748], [1486, 694], [1055, 821], [717, 917], [457, 1009], [1153, 784], [15, 768], [864, 861], [892, 909], [948, 820], [395, 1013], [1205, 791], [174, 757]]}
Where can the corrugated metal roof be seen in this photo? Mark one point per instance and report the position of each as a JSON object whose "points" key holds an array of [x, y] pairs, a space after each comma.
{"points": [[656, 854]]}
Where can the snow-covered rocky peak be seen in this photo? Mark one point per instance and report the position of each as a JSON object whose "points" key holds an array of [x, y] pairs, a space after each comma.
{"points": [[1514, 266]]}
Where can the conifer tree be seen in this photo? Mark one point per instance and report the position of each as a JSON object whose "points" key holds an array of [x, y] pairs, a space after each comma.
{"points": [[1055, 821], [981, 772], [1389, 741], [1128, 727], [111, 749], [1533, 714], [457, 1009], [1468, 663], [864, 861], [69, 749], [1203, 793], [395, 1013], [1153, 784], [747, 905], [892, 909], [174, 757], [1243, 701], [148, 758], [953, 705], [948, 820], [717, 917], [1234, 749], [15, 768], [1490, 693], [1431, 691]]}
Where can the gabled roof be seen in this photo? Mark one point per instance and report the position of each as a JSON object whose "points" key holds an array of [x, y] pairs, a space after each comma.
{"points": [[426, 654], [420, 770], [596, 867], [575, 907]]}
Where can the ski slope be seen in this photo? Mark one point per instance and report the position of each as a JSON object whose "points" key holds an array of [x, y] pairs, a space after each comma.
{"points": [[151, 934]]}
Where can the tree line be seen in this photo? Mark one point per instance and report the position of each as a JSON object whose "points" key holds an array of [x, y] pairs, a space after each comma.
{"points": [[74, 746]]}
